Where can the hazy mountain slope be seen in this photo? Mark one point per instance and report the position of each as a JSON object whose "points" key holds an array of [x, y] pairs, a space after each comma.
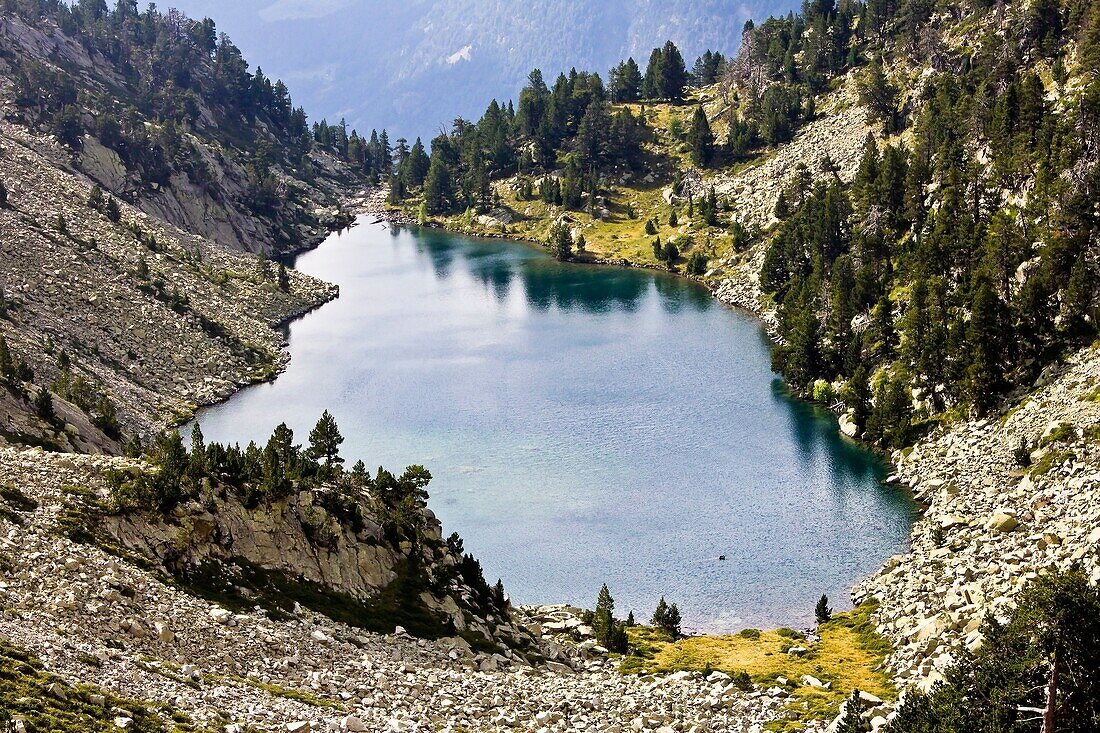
{"points": [[406, 65]]}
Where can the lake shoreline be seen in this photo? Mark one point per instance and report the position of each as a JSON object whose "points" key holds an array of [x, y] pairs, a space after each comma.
{"points": [[371, 212], [716, 632], [995, 510], [739, 291]]}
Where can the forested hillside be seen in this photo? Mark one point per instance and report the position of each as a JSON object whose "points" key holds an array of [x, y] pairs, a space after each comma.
{"points": [[137, 152], [934, 272], [163, 112]]}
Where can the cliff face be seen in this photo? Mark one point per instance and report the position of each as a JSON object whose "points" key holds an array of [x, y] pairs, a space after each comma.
{"points": [[294, 536]]}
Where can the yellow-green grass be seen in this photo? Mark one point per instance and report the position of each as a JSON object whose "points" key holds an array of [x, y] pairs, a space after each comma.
{"points": [[620, 236], [1093, 395], [288, 693], [849, 656], [617, 237], [47, 703]]}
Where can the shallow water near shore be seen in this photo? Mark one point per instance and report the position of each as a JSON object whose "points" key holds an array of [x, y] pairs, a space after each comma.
{"points": [[583, 425]]}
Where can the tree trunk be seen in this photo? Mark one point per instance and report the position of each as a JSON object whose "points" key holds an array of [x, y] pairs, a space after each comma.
{"points": [[1052, 696]]}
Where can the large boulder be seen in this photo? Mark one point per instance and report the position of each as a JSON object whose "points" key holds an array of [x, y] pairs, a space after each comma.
{"points": [[1003, 520]]}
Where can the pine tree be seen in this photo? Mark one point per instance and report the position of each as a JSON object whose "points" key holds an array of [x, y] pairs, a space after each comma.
{"points": [[325, 440], [890, 422], [672, 621], [700, 139], [782, 208], [283, 278], [7, 364], [625, 82], [852, 722], [111, 209], [603, 619], [673, 73], [3, 195], [618, 641], [95, 198], [43, 405], [437, 185], [660, 613], [416, 165], [882, 329], [1088, 55], [988, 332], [857, 396], [560, 241], [667, 618], [651, 83], [697, 263], [671, 253], [1080, 304], [822, 612], [800, 357], [876, 92]]}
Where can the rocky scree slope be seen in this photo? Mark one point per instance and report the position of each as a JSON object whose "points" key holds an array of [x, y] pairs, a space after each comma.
{"points": [[133, 319], [838, 134], [101, 619], [168, 131], [991, 523]]}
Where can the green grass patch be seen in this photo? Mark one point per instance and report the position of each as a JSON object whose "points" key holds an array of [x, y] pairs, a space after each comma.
{"points": [[849, 656], [1051, 459], [17, 500], [25, 694], [1064, 433], [14, 504], [288, 694]]}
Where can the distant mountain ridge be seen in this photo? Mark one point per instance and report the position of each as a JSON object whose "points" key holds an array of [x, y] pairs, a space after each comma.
{"points": [[430, 60]]}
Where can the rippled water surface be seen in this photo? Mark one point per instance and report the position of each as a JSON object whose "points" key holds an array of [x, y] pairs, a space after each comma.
{"points": [[584, 425]]}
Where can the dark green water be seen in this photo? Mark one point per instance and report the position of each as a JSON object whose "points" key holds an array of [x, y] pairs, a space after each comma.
{"points": [[584, 425]]}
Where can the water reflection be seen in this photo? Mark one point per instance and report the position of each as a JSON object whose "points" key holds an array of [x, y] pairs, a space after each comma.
{"points": [[547, 284], [813, 430]]}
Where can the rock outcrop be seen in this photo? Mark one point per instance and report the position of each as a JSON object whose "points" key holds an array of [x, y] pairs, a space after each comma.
{"points": [[838, 133], [296, 536], [94, 617]]}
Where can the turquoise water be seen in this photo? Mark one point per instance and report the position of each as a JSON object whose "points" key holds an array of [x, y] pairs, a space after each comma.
{"points": [[583, 425]]}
